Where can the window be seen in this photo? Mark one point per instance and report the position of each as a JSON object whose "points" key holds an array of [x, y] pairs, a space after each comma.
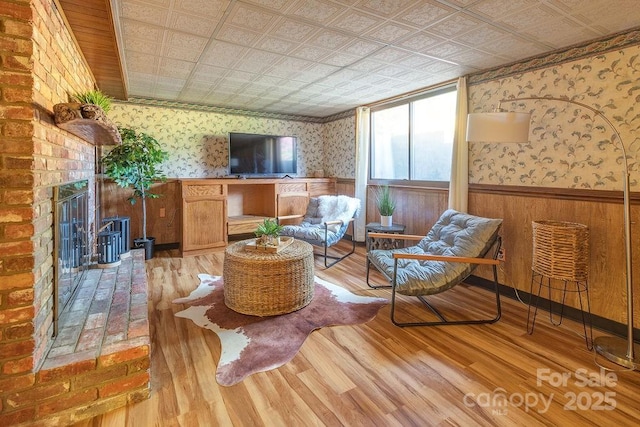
{"points": [[413, 140]]}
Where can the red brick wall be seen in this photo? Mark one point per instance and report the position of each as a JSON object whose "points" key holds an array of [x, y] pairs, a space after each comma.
{"points": [[44, 55], [17, 226], [39, 67]]}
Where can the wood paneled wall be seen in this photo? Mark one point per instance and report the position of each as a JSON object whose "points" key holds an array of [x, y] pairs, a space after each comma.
{"points": [[417, 208], [346, 187], [601, 211], [163, 213], [602, 215]]}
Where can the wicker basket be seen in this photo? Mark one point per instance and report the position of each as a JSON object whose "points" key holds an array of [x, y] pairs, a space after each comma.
{"points": [[561, 250], [267, 284]]}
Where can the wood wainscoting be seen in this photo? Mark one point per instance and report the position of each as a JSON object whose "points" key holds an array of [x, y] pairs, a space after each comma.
{"points": [[601, 211], [163, 213], [418, 208]]}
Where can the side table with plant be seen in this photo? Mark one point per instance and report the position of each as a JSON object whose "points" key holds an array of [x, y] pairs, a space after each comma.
{"points": [[386, 205]]}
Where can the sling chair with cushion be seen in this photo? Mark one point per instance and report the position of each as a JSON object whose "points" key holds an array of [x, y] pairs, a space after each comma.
{"points": [[325, 223], [453, 248]]}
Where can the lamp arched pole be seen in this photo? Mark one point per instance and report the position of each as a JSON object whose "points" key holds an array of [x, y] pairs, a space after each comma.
{"points": [[610, 347]]}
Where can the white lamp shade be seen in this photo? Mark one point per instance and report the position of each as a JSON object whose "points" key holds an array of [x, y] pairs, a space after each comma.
{"points": [[498, 127]]}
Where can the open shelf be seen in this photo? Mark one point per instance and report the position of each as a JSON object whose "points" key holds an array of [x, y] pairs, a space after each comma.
{"points": [[241, 224], [88, 122]]}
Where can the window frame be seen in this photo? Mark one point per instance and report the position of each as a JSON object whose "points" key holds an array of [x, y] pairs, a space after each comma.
{"points": [[410, 101]]}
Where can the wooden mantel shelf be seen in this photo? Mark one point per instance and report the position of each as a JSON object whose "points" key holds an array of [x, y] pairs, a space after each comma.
{"points": [[87, 121]]}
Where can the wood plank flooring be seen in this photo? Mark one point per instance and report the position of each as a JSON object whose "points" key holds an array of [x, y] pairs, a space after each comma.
{"points": [[376, 373]]}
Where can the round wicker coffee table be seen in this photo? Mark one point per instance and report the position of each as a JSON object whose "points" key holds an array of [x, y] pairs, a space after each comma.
{"points": [[266, 284]]}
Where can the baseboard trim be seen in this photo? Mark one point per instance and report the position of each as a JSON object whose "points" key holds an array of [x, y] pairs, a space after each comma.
{"points": [[598, 322], [167, 246]]}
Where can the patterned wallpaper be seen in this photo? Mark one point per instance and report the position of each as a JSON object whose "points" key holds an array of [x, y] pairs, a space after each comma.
{"points": [[569, 147], [197, 140], [340, 147]]}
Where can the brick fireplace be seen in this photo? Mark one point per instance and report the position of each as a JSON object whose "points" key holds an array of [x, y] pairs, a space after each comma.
{"points": [[100, 357]]}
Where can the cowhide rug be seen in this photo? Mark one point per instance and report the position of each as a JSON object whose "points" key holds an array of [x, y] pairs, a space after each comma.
{"points": [[253, 344]]}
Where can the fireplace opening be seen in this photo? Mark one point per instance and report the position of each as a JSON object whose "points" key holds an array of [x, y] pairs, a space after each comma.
{"points": [[71, 243]]}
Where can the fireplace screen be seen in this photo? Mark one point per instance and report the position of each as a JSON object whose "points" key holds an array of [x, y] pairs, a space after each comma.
{"points": [[70, 242]]}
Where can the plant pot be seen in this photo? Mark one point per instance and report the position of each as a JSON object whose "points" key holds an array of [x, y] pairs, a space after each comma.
{"points": [[273, 240], [147, 244], [386, 221], [266, 240]]}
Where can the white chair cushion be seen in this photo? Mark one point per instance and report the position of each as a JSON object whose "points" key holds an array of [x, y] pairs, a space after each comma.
{"points": [[320, 210]]}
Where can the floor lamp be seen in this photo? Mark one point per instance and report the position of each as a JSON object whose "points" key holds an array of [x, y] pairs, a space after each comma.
{"points": [[502, 126]]}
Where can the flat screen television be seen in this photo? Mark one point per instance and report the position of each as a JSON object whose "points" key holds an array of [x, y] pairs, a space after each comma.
{"points": [[262, 155]]}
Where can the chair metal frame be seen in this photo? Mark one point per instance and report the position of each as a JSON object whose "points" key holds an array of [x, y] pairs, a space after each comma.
{"points": [[336, 258], [493, 261]]}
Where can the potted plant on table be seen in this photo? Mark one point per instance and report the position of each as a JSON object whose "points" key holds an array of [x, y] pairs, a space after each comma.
{"points": [[134, 164], [268, 233], [386, 205]]}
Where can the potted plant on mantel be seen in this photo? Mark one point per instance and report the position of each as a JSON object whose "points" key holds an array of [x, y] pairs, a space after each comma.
{"points": [[134, 164], [94, 97], [86, 118], [385, 204]]}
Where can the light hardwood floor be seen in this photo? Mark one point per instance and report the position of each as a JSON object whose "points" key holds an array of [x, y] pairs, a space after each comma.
{"points": [[376, 373]]}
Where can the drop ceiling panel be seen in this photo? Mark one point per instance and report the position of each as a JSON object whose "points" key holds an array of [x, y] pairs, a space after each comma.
{"points": [[319, 11], [384, 8], [316, 57], [293, 29], [145, 12], [355, 22], [425, 14], [200, 26]]}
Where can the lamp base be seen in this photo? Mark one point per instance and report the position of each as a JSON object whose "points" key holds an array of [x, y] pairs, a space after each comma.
{"points": [[615, 350]]}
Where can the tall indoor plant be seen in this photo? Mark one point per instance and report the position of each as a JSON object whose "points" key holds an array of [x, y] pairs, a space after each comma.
{"points": [[134, 164]]}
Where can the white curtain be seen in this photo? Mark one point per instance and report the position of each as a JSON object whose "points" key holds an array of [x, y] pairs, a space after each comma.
{"points": [[362, 167], [459, 182]]}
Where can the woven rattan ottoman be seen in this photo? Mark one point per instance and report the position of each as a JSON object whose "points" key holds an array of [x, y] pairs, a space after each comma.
{"points": [[267, 284]]}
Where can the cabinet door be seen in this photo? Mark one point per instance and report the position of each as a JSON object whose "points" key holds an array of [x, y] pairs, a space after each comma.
{"points": [[292, 207], [204, 219]]}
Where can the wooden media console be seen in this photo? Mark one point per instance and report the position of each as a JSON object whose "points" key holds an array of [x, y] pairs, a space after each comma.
{"points": [[213, 209]]}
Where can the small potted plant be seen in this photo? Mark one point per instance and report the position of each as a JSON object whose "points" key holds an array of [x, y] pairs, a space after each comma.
{"points": [[385, 204], [268, 233], [134, 164], [86, 117], [94, 97]]}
